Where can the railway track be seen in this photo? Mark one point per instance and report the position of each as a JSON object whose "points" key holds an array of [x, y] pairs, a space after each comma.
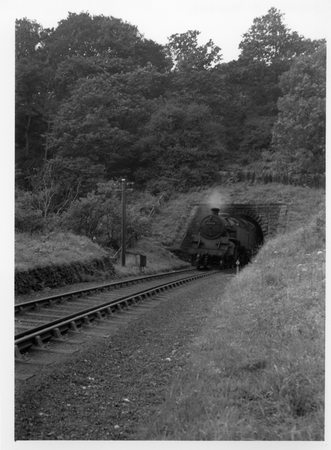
{"points": [[51, 318]]}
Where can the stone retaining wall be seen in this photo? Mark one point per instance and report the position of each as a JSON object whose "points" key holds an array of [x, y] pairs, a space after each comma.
{"points": [[56, 276]]}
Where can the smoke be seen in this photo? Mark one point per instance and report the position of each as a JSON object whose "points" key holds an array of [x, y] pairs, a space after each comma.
{"points": [[217, 200]]}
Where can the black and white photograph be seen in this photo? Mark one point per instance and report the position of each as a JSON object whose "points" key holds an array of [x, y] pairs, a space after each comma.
{"points": [[165, 241]]}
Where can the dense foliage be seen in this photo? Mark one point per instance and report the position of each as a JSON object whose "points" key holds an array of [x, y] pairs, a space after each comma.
{"points": [[299, 133], [96, 101]]}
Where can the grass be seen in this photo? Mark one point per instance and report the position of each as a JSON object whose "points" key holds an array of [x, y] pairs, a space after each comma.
{"points": [[257, 369], [168, 227], [61, 248], [58, 248], [302, 202], [171, 223], [158, 259]]}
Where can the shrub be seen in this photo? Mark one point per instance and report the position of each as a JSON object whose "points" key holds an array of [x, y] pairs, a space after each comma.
{"points": [[27, 219], [84, 215]]}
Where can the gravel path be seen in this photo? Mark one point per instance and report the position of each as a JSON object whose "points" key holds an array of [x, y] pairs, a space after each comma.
{"points": [[112, 385]]}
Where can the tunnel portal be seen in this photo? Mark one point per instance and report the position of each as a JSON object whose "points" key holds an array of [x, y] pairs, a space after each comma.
{"points": [[268, 218]]}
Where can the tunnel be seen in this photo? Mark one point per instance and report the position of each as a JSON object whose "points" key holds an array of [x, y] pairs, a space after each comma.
{"points": [[268, 218], [255, 223]]}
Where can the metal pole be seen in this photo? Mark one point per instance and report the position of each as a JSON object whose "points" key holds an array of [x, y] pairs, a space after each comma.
{"points": [[123, 220]]}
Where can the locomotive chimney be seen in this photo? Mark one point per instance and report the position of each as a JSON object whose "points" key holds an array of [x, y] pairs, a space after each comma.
{"points": [[215, 211]]}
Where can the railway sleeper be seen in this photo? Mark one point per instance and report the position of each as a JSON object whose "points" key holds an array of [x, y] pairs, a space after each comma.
{"points": [[52, 350], [18, 354], [87, 321], [109, 312], [73, 327]]}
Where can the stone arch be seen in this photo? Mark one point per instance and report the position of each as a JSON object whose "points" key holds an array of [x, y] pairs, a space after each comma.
{"points": [[252, 216], [266, 217], [257, 222]]}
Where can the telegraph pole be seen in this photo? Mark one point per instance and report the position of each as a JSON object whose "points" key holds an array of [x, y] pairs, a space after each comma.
{"points": [[123, 220]]}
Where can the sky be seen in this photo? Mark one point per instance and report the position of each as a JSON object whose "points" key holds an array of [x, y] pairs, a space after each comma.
{"points": [[223, 21]]}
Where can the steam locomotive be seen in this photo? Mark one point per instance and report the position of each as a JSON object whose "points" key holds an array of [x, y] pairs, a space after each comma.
{"points": [[223, 241]]}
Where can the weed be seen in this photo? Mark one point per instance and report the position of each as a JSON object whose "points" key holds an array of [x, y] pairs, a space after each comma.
{"points": [[257, 368], [256, 371]]}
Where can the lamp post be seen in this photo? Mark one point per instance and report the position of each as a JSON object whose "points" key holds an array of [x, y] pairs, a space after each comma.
{"points": [[123, 220]]}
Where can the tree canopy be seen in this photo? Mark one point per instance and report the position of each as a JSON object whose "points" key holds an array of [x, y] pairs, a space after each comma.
{"points": [[187, 54], [299, 133], [270, 41], [96, 100], [182, 145]]}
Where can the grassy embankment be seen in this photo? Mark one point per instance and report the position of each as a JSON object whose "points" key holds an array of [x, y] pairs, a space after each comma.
{"points": [[58, 248], [257, 369], [32, 251], [64, 248], [167, 227]]}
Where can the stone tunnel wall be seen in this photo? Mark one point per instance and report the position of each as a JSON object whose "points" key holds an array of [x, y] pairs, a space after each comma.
{"points": [[270, 217]]}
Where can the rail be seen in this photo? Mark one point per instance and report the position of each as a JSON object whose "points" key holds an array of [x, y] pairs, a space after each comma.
{"points": [[36, 336]]}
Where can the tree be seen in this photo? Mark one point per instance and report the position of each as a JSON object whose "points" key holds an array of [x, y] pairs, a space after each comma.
{"points": [[298, 139], [195, 76], [53, 67], [267, 50], [269, 41], [84, 215], [77, 68], [99, 215], [86, 35], [61, 181], [102, 118], [27, 217], [28, 38], [34, 99], [198, 77], [182, 146], [187, 54], [91, 36]]}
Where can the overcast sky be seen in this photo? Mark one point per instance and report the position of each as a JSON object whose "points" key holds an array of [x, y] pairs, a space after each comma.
{"points": [[223, 21]]}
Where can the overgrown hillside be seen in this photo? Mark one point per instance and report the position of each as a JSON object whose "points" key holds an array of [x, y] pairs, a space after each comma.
{"points": [[165, 230], [257, 370], [169, 226], [96, 101]]}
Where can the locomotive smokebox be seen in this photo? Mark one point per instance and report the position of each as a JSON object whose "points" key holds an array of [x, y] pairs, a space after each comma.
{"points": [[215, 211]]}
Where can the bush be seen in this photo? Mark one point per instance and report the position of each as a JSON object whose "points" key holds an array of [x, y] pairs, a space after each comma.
{"points": [[27, 219], [84, 215]]}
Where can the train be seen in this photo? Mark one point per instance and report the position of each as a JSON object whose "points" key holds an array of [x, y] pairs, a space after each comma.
{"points": [[223, 241]]}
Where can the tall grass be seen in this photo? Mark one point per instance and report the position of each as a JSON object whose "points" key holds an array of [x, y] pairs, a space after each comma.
{"points": [[257, 369], [58, 248], [170, 222], [167, 227], [158, 259]]}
